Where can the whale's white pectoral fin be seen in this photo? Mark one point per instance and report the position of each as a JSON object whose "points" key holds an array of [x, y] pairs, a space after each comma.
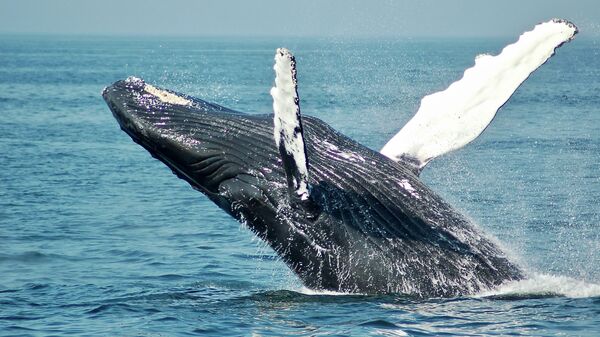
{"points": [[450, 119], [288, 133]]}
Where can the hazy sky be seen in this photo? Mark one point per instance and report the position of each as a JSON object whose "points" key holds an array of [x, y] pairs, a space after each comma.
{"points": [[293, 18]]}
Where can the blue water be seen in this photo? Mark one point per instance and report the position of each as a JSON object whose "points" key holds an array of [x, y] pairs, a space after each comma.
{"points": [[98, 238]]}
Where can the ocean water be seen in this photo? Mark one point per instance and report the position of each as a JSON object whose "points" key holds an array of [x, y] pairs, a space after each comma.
{"points": [[99, 239]]}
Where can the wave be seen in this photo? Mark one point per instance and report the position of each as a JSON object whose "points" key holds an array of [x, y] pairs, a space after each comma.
{"points": [[545, 285], [312, 292], [35, 257], [537, 285]]}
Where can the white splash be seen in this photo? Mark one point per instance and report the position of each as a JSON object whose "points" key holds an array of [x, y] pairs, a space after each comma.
{"points": [[165, 96], [450, 119], [312, 292], [544, 284], [287, 115]]}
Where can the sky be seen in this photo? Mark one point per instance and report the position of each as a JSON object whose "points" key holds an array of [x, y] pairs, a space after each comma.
{"points": [[314, 18]]}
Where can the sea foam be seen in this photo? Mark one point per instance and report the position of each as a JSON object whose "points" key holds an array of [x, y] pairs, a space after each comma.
{"points": [[540, 284]]}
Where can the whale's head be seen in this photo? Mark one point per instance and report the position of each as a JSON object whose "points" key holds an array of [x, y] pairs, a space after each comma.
{"points": [[229, 156]]}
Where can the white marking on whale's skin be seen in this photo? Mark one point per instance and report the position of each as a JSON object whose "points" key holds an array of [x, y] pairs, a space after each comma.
{"points": [[334, 150], [166, 96], [162, 95], [450, 119], [287, 115]]}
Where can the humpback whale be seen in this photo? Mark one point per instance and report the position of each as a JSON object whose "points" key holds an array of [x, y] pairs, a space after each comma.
{"points": [[342, 216]]}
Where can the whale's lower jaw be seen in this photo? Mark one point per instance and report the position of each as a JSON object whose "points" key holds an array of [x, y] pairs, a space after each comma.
{"points": [[378, 229]]}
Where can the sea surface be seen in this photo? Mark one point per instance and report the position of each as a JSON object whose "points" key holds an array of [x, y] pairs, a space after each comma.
{"points": [[97, 238]]}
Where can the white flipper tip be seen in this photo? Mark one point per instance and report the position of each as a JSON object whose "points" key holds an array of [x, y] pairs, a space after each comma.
{"points": [[558, 27], [284, 61], [567, 24], [285, 72], [284, 52]]}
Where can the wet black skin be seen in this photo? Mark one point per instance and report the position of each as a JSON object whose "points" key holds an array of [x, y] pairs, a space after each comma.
{"points": [[371, 225]]}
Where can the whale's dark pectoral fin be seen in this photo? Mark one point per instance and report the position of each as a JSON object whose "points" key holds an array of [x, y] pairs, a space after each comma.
{"points": [[450, 119], [288, 133]]}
